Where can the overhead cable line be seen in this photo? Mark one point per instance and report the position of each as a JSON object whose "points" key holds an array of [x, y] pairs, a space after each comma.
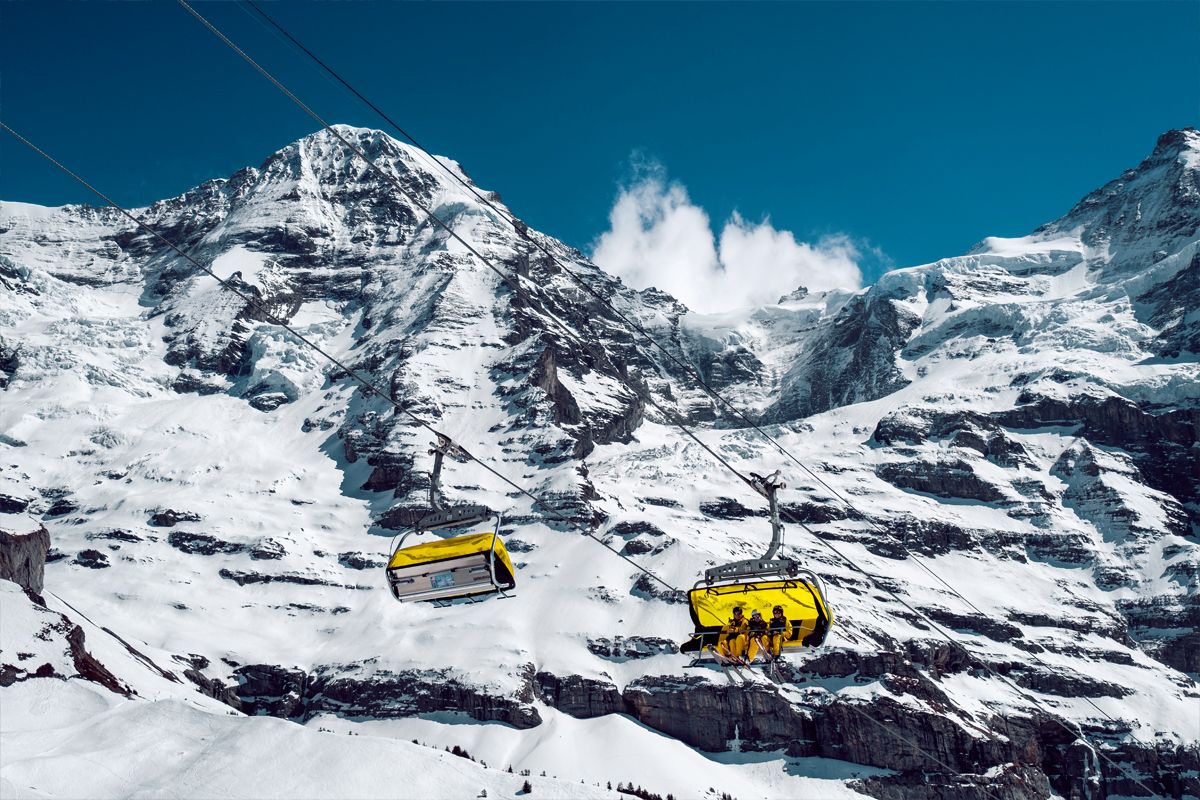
{"points": [[639, 329], [372, 390], [368, 387], [515, 283], [512, 280]]}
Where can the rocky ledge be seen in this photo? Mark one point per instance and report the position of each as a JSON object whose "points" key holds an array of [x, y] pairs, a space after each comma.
{"points": [[1012, 757]]}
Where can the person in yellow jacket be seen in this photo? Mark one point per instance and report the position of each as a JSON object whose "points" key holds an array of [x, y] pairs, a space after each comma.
{"points": [[779, 630], [732, 642], [757, 635]]}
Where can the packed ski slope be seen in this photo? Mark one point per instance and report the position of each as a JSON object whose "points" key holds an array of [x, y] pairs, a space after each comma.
{"points": [[218, 496]]}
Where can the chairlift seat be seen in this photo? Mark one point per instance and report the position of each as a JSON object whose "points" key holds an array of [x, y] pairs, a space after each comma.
{"points": [[802, 598], [461, 566]]}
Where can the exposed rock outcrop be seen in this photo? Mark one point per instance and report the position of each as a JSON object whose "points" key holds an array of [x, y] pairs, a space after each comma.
{"points": [[1162, 444], [950, 478], [852, 361], [41, 643], [355, 690], [23, 555]]}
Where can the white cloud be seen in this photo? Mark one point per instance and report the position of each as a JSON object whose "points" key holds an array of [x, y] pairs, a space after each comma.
{"points": [[658, 237]]}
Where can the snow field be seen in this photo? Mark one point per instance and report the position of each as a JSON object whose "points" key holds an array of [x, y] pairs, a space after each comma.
{"points": [[72, 739], [618, 749]]}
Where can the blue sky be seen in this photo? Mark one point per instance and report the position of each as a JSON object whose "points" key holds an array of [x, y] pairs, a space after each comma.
{"points": [[913, 128]]}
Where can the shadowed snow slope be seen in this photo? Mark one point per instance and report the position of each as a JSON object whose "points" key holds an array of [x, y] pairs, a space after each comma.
{"points": [[220, 501]]}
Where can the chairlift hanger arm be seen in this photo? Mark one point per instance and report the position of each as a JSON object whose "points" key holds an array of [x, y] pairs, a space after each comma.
{"points": [[439, 450], [768, 487]]}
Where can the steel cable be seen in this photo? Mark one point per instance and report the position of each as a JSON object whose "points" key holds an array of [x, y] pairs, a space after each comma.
{"points": [[369, 387], [373, 390], [515, 283], [688, 368], [583, 284]]}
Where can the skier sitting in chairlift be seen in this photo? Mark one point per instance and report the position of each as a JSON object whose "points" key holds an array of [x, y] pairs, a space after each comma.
{"points": [[731, 644], [757, 633], [779, 630]]}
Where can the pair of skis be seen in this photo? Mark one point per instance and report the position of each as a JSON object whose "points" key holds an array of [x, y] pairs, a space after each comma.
{"points": [[741, 672]]}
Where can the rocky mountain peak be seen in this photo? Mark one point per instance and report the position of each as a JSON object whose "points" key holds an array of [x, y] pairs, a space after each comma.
{"points": [[1181, 143], [1131, 222], [323, 158], [222, 499]]}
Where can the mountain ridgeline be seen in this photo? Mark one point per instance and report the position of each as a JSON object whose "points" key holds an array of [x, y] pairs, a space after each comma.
{"points": [[1024, 419]]}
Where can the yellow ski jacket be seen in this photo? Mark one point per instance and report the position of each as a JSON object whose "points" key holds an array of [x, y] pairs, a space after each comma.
{"points": [[733, 629]]}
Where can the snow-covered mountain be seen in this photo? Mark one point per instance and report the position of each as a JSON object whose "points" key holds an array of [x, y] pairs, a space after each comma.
{"points": [[219, 501]]}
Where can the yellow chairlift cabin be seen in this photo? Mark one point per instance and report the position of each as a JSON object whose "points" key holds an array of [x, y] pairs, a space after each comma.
{"points": [[759, 584], [468, 566]]}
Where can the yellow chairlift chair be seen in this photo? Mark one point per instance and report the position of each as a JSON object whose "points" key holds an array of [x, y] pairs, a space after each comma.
{"points": [[760, 584], [469, 565]]}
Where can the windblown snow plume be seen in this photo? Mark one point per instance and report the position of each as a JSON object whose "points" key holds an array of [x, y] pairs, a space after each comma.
{"points": [[658, 237]]}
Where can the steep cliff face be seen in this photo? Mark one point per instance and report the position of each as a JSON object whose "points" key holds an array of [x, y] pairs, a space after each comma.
{"points": [[1023, 417], [23, 549]]}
